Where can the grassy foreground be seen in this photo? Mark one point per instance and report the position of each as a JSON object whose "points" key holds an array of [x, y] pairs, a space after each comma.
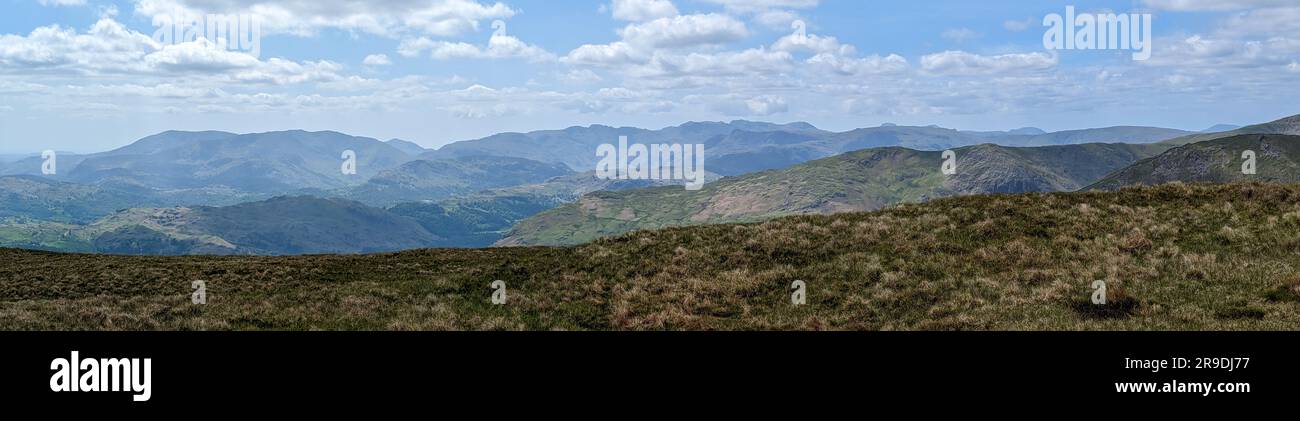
{"points": [[1175, 257]]}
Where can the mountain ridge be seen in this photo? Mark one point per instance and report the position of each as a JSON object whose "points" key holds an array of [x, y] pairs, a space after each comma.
{"points": [[862, 180]]}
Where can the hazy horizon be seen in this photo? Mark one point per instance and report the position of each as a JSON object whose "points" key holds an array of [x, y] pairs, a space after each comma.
{"points": [[91, 75], [17, 152]]}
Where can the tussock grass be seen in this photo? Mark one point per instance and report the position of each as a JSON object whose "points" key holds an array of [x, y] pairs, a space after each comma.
{"points": [[1174, 257]]}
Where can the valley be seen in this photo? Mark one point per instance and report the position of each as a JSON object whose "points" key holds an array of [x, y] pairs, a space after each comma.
{"points": [[220, 193], [1173, 257]]}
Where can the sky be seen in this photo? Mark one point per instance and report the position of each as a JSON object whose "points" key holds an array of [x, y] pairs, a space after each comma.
{"points": [[91, 75]]}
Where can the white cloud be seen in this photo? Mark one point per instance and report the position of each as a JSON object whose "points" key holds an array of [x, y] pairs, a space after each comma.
{"points": [[580, 76], [964, 63], [199, 56], [776, 19], [643, 10], [685, 31], [283, 72], [811, 43], [377, 60], [773, 14], [390, 18], [499, 47], [1220, 53], [413, 47], [751, 63], [612, 54], [643, 42], [108, 48], [767, 105], [850, 66], [740, 105]]}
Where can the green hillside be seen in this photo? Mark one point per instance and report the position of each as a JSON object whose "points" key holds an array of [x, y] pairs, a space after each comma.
{"points": [[1277, 159], [857, 181], [1173, 257], [283, 225], [1287, 126]]}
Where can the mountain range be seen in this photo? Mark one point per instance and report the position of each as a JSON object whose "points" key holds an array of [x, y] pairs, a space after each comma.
{"points": [[223, 193], [863, 180]]}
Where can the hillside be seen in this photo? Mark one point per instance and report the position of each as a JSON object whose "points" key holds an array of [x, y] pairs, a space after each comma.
{"points": [[1288, 126], [268, 163], [406, 146], [857, 181], [576, 146], [1277, 159], [40, 198], [280, 226], [742, 147], [1174, 257], [423, 180], [482, 218]]}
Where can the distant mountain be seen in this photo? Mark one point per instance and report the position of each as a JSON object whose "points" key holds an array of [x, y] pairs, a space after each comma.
{"points": [[1218, 161], [207, 192], [41, 198], [30, 164], [280, 226], [743, 152], [1024, 131], [423, 180], [1221, 128], [275, 162], [302, 224], [1120, 134], [1289, 125], [1029, 131], [857, 181], [576, 146], [410, 148]]}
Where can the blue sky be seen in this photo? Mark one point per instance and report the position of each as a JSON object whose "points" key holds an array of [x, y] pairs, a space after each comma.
{"points": [[85, 75]]}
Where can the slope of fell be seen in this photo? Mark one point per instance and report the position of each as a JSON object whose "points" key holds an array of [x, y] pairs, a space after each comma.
{"points": [[857, 181], [1277, 159], [1173, 257]]}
